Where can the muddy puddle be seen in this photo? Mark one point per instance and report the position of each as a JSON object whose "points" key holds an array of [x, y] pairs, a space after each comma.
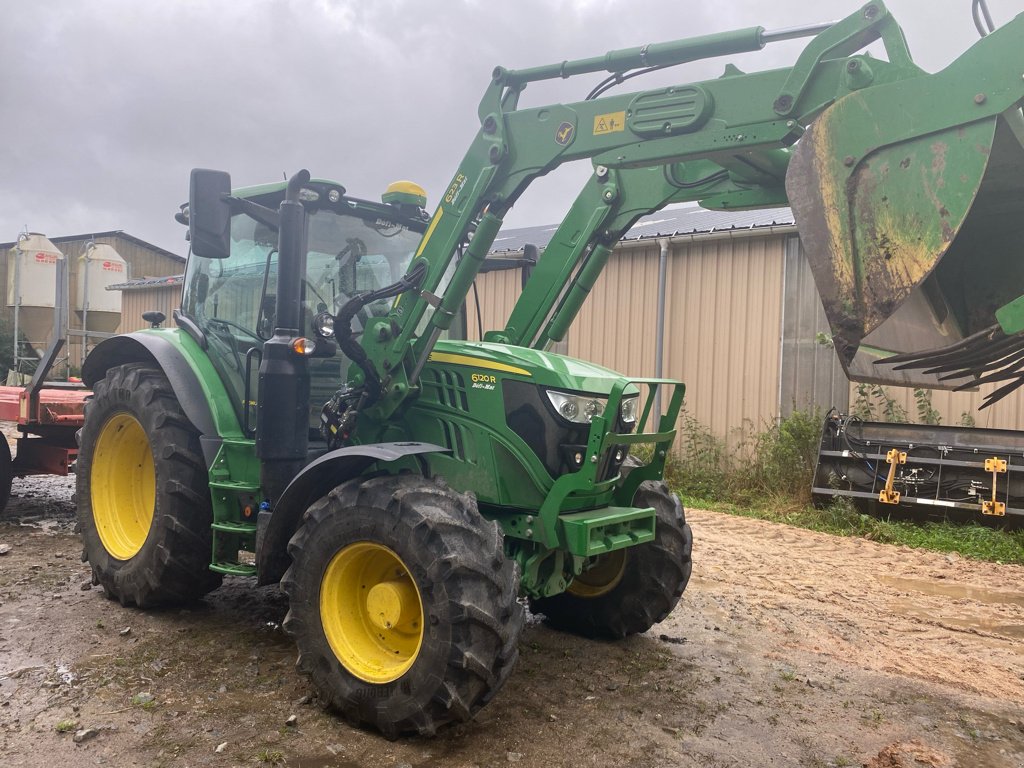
{"points": [[959, 591], [960, 614]]}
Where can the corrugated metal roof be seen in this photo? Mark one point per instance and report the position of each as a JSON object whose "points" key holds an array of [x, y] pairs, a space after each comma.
{"points": [[668, 222], [109, 233], [147, 282]]}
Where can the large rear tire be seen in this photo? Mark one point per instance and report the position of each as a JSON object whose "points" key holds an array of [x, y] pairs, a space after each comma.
{"points": [[143, 499], [402, 604], [629, 590]]}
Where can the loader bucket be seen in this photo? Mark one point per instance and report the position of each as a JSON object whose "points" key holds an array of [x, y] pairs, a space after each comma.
{"points": [[909, 200]]}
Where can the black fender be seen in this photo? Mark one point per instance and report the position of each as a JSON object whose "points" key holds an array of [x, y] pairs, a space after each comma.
{"points": [[276, 526], [151, 348]]}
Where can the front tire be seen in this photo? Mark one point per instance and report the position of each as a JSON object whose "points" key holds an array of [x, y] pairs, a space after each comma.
{"points": [[629, 590], [402, 604], [143, 500]]}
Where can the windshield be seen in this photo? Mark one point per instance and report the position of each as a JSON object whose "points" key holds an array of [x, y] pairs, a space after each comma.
{"points": [[233, 300], [349, 255]]}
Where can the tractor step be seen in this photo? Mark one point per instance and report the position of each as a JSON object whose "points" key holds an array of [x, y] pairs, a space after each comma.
{"points": [[235, 487], [234, 569], [244, 529], [229, 539], [597, 531]]}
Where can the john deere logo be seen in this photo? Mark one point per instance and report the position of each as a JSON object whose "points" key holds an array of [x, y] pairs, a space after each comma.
{"points": [[565, 133]]}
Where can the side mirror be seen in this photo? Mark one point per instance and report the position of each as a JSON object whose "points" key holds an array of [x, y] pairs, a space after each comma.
{"points": [[154, 318], [209, 213]]}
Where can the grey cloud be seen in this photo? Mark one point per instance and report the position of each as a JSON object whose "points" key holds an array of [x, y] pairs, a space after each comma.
{"points": [[108, 104]]}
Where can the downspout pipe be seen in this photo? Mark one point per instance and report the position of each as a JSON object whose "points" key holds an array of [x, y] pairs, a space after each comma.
{"points": [[659, 342]]}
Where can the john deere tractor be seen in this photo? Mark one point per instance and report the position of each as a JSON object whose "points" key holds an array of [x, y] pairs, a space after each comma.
{"points": [[314, 420]]}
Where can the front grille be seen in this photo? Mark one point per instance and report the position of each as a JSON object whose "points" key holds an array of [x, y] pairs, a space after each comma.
{"points": [[447, 388]]}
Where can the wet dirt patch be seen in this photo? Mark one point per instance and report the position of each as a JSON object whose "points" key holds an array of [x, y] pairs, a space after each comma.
{"points": [[784, 652]]}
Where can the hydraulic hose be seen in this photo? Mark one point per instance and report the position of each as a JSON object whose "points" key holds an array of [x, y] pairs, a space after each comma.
{"points": [[343, 334]]}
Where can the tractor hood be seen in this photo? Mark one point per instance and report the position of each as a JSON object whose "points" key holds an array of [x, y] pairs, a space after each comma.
{"points": [[544, 368]]}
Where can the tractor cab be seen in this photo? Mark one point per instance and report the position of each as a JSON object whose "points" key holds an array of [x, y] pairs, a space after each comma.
{"points": [[353, 246]]}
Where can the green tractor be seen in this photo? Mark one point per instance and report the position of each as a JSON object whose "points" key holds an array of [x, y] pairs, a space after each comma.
{"points": [[229, 445], [314, 420]]}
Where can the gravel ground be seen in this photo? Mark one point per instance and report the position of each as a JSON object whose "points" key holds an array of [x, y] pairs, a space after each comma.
{"points": [[790, 648]]}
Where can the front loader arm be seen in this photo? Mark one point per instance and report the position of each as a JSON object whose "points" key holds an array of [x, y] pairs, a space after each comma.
{"points": [[716, 120]]}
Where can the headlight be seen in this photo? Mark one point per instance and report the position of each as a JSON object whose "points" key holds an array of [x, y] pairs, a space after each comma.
{"points": [[627, 411], [323, 325], [577, 408]]}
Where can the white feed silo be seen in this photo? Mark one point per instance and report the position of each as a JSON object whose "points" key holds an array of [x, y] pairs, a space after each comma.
{"points": [[32, 273], [99, 309]]}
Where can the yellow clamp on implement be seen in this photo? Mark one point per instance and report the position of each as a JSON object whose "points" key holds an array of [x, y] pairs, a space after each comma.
{"points": [[887, 495], [995, 466]]}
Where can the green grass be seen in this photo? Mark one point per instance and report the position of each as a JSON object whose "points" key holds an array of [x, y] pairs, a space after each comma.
{"points": [[841, 518], [268, 756]]}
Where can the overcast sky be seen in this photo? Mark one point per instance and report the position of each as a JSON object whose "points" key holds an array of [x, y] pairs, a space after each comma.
{"points": [[106, 105]]}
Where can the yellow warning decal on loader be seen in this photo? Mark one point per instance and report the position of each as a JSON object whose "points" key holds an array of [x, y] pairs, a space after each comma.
{"points": [[610, 122]]}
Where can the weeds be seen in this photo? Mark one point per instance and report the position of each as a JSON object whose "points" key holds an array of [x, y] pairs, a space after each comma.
{"points": [[66, 726], [268, 756], [784, 457], [705, 466], [874, 403], [968, 727], [776, 463], [875, 717], [926, 414], [144, 701]]}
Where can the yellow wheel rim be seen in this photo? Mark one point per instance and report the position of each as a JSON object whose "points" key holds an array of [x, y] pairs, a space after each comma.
{"points": [[123, 486], [602, 578], [371, 612]]}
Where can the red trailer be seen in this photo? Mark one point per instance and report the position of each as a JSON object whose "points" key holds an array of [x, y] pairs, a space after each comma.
{"points": [[47, 418]]}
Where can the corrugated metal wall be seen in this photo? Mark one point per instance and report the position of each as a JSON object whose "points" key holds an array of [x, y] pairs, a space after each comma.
{"points": [[616, 326], [497, 292], [742, 316], [810, 373], [952, 406], [723, 315], [723, 304], [134, 302]]}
